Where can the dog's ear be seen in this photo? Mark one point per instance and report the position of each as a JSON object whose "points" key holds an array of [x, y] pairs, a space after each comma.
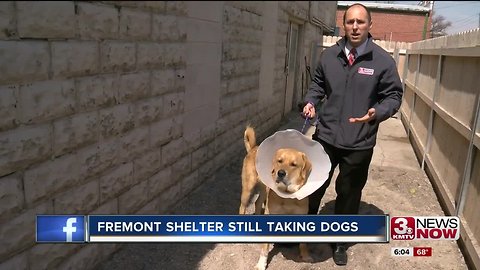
{"points": [[307, 167]]}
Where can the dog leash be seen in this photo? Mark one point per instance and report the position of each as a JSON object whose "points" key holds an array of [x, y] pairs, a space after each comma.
{"points": [[304, 124]]}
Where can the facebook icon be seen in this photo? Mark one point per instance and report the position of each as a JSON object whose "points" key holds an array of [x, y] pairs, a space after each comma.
{"points": [[60, 229]]}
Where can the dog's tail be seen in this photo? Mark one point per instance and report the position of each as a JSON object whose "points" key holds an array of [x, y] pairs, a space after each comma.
{"points": [[249, 138]]}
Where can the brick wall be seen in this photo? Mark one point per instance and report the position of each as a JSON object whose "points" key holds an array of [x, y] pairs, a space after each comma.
{"points": [[124, 107], [397, 26]]}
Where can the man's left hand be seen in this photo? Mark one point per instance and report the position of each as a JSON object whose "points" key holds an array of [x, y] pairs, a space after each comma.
{"points": [[366, 118]]}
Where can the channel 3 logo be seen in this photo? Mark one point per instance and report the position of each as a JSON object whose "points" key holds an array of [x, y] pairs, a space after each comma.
{"points": [[60, 229], [402, 228], [425, 228]]}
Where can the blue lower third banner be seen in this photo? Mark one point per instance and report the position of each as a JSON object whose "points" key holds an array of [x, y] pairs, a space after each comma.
{"points": [[60, 229], [238, 228]]}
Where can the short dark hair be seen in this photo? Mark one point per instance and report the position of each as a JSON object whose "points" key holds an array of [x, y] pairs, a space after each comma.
{"points": [[357, 4]]}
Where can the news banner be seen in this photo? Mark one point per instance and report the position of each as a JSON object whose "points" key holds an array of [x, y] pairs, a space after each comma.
{"points": [[248, 229]]}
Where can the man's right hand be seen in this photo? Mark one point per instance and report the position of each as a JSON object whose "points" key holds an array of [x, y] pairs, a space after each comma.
{"points": [[309, 110]]}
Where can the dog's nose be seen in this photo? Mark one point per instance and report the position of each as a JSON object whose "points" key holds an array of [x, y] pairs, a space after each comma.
{"points": [[281, 173]]}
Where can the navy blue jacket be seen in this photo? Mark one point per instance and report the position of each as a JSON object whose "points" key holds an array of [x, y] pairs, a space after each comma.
{"points": [[371, 82]]}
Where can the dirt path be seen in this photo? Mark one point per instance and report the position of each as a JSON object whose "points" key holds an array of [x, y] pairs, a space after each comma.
{"points": [[396, 186]]}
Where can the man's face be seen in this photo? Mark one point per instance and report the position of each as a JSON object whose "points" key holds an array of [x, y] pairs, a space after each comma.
{"points": [[356, 25]]}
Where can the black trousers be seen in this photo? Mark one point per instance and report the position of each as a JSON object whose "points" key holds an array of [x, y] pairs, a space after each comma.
{"points": [[353, 174]]}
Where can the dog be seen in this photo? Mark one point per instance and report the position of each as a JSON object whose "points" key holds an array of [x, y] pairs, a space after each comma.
{"points": [[250, 180], [290, 170]]}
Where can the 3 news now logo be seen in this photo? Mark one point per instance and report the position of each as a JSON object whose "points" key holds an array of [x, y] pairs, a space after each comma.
{"points": [[425, 228], [60, 229]]}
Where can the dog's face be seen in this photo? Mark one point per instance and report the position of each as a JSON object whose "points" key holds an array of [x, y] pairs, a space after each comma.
{"points": [[290, 169]]}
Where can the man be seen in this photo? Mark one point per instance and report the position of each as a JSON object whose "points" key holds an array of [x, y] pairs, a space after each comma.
{"points": [[357, 86]]}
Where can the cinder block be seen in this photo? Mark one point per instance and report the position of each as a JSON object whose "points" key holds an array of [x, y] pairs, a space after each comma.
{"points": [[11, 196], [134, 86], [23, 59], [172, 151], [199, 157], [148, 110], [175, 55], [48, 256], [19, 230], [17, 262], [193, 137], [200, 10], [77, 200], [204, 31], [221, 125], [240, 34], [235, 51], [97, 91], [150, 208], [46, 19], [132, 200], [134, 143], [97, 21], [147, 164], [173, 104], [7, 20], [97, 158], [177, 127], [75, 131], [169, 197], [169, 28], [134, 24], [116, 120], [74, 58], [181, 167], [150, 55], [176, 7], [211, 149], [207, 169], [50, 176], [164, 81], [42, 101], [160, 132], [108, 208], [156, 6], [8, 107], [190, 182], [117, 56], [116, 181], [23, 146]]}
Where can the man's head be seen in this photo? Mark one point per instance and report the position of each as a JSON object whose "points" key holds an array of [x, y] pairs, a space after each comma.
{"points": [[357, 22]]}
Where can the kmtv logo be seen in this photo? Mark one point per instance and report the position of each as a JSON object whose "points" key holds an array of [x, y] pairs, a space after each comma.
{"points": [[426, 228], [54, 229]]}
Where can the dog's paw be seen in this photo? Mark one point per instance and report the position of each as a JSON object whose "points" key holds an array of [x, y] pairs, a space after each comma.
{"points": [[262, 263], [259, 267], [306, 258]]}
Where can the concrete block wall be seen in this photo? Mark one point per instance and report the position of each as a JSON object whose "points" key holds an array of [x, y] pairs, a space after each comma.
{"points": [[124, 107]]}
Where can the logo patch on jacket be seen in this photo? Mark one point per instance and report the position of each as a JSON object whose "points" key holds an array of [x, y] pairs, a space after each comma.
{"points": [[365, 71]]}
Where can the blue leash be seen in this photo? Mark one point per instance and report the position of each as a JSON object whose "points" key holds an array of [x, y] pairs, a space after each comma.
{"points": [[304, 124]]}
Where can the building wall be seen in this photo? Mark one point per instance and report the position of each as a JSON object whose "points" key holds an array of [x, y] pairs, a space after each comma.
{"points": [[394, 26], [125, 107]]}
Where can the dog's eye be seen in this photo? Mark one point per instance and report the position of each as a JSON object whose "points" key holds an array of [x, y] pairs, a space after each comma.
{"points": [[280, 160], [293, 164]]}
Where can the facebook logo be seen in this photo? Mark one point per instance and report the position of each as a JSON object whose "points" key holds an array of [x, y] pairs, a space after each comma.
{"points": [[60, 229]]}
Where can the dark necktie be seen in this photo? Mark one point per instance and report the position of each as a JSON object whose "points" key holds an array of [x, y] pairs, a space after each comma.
{"points": [[351, 56]]}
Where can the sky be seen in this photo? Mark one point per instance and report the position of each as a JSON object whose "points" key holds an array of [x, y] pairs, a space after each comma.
{"points": [[464, 15]]}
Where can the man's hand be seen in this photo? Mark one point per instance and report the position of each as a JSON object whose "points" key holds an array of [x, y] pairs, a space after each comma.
{"points": [[309, 110], [366, 118]]}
